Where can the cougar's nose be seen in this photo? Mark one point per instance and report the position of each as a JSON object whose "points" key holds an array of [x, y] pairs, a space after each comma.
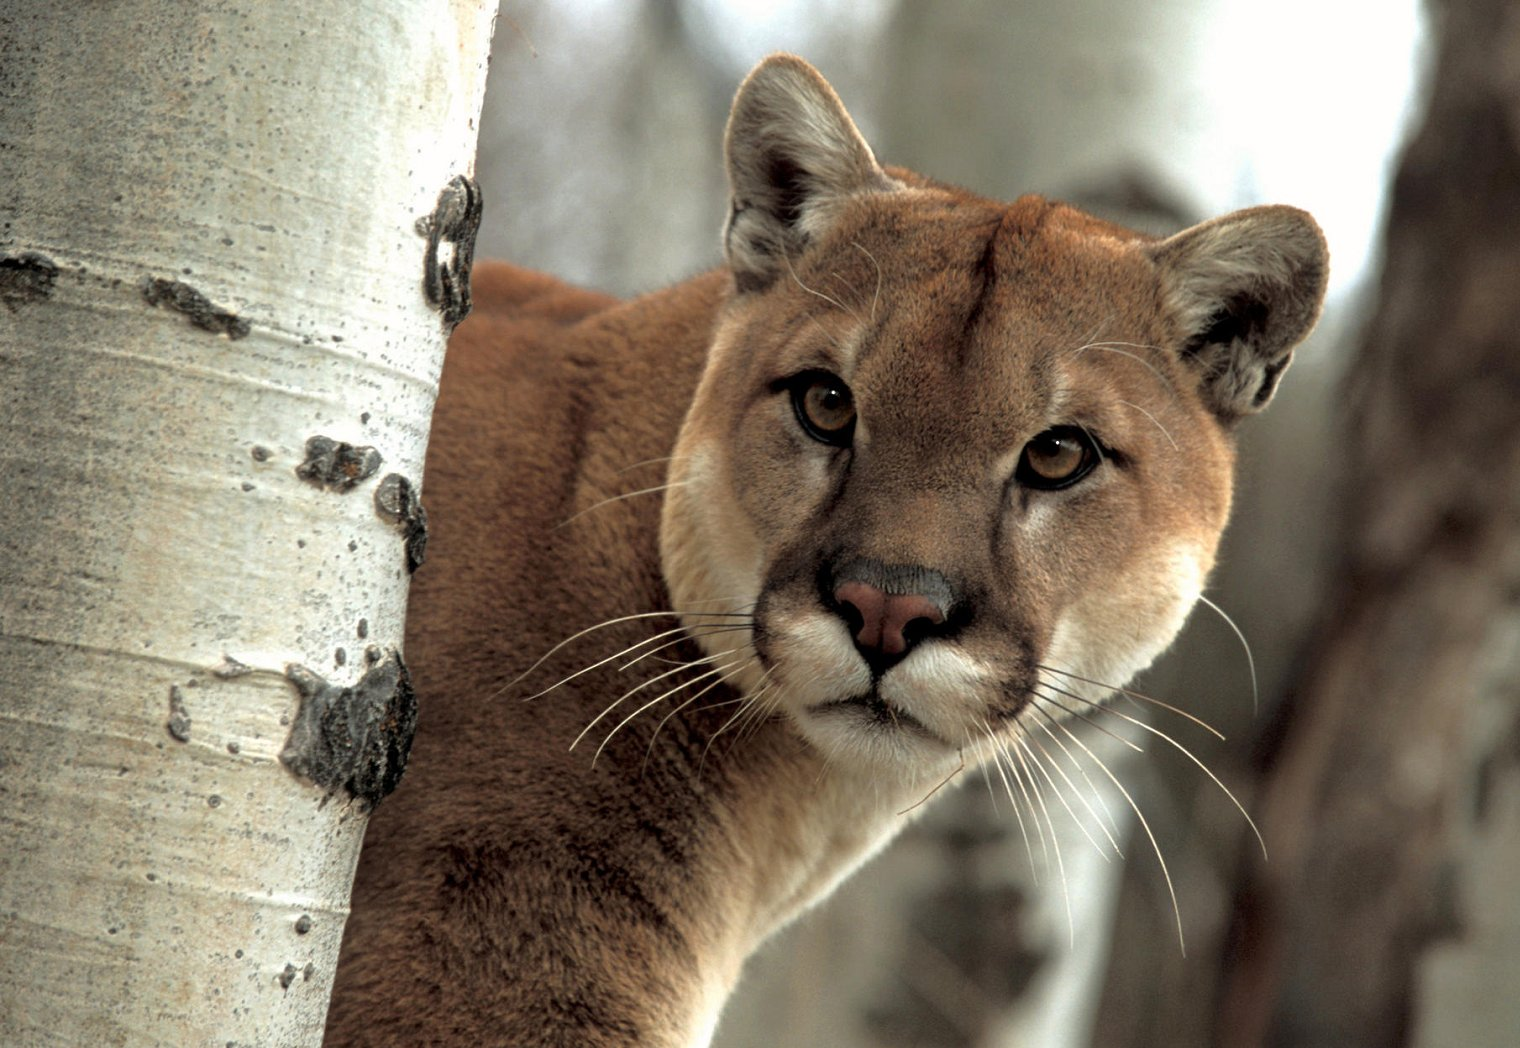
{"points": [[890, 609]]}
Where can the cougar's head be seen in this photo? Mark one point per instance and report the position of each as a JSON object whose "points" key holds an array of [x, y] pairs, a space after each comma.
{"points": [[965, 462]]}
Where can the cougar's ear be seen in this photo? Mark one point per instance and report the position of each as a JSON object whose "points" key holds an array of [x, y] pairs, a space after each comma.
{"points": [[794, 156], [1246, 288]]}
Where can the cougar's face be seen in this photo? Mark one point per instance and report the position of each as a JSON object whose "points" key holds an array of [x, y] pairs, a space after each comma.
{"points": [[953, 465]]}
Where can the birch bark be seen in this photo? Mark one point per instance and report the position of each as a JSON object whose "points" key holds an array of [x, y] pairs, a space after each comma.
{"points": [[221, 224]]}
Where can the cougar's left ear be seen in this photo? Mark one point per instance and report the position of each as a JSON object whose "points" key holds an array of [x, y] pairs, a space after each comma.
{"points": [[1246, 288], [794, 156]]}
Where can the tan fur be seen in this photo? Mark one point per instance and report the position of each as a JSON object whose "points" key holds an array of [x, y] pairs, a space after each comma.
{"points": [[516, 893]]}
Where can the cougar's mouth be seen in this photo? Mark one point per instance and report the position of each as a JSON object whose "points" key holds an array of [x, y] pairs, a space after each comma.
{"points": [[876, 713]]}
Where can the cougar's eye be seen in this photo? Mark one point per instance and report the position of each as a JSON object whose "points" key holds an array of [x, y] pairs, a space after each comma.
{"points": [[825, 408], [1057, 458]]}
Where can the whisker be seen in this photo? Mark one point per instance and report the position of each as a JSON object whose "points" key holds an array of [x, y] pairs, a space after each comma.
{"points": [[618, 498], [616, 621], [602, 662], [664, 660], [1153, 419], [576, 636], [1002, 758], [686, 703], [836, 277], [650, 462], [1135, 695], [958, 769], [877, 296], [819, 294], [661, 698], [751, 716], [634, 691], [1113, 347], [749, 702], [987, 778], [1250, 662], [710, 706], [1044, 766], [1012, 748], [826, 332], [1109, 343], [762, 703], [693, 632], [760, 712], [1144, 822], [670, 613], [1051, 700], [997, 764], [1109, 824], [1180, 748], [1055, 836]]}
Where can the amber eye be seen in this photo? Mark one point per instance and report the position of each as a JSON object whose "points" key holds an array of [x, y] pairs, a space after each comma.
{"points": [[1057, 458], [825, 408]]}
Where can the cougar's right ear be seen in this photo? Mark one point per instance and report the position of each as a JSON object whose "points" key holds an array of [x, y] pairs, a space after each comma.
{"points": [[794, 156], [1246, 288]]}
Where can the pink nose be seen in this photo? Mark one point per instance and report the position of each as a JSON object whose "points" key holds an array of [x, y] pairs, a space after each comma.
{"points": [[885, 618]]}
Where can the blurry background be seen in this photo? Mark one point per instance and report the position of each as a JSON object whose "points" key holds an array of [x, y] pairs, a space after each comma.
{"points": [[1381, 755]]}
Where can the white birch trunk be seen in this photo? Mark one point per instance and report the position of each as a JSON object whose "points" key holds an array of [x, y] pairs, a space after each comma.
{"points": [[209, 255]]}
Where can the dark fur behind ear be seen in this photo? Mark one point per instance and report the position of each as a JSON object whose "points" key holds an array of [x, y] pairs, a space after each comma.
{"points": [[793, 157], [1246, 288]]}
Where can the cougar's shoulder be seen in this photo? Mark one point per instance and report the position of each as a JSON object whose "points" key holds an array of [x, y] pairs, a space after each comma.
{"points": [[552, 399]]}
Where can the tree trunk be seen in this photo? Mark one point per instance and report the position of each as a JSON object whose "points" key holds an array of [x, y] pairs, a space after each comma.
{"points": [[1372, 775], [232, 243]]}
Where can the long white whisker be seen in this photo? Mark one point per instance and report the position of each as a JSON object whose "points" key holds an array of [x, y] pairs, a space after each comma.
{"points": [[987, 778], [649, 462], [969, 742], [750, 717], [1186, 753], [1113, 347], [1135, 695], [745, 663], [1050, 699], [1108, 343], [602, 662], [1034, 814], [997, 764], [659, 699], [710, 706], [942, 783], [748, 703], [576, 636], [1055, 836], [613, 622], [618, 498], [1155, 420], [693, 633], [826, 332], [1110, 825], [819, 294], [649, 750], [634, 691], [1144, 823], [1250, 662], [1050, 762], [759, 712], [876, 297]]}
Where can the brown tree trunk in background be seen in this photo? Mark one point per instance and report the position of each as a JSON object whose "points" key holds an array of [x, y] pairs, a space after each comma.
{"points": [[1365, 784]]}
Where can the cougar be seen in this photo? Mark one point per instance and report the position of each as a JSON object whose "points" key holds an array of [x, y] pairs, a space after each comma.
{"points": [[726, 579]]}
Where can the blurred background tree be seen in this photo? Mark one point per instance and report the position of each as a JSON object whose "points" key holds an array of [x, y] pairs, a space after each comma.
{"points": [[1390, 784], [1372, 563]]}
